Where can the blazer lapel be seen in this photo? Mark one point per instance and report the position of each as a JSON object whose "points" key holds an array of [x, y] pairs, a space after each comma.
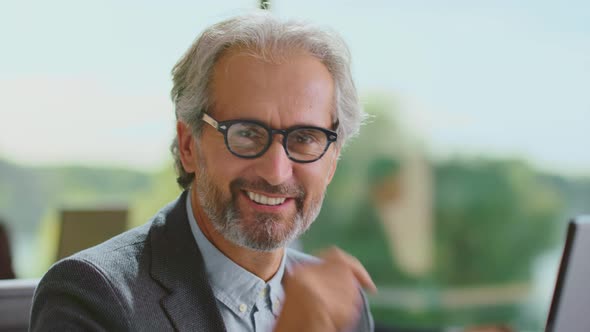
{"points": [[177, 264]]}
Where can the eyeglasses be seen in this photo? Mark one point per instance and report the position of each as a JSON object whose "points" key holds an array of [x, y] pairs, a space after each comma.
{"points": [[251, 139]]}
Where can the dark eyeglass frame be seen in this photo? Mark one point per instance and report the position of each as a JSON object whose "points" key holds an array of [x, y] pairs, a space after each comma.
{"points": [[224, 126]]}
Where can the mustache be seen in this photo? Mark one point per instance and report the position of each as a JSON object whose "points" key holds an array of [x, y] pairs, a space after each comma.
{"points": [[292, 190]]}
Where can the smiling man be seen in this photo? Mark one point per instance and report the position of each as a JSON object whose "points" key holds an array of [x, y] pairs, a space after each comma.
{"points": [[263, 109]]}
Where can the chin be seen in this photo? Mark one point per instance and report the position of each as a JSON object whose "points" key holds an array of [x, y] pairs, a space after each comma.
{"points": [[263, 234]]}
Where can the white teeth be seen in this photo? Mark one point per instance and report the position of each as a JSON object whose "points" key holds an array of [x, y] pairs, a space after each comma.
{"points": [[261, 199]]}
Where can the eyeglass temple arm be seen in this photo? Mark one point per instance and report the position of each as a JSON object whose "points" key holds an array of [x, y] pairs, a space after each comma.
{"points": [[210, 121]]}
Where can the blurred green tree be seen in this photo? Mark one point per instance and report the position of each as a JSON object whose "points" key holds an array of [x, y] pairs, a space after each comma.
{"points": [[493, 219]]}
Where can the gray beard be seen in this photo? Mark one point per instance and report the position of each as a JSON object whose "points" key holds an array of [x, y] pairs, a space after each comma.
{"points": [[268, 233]]}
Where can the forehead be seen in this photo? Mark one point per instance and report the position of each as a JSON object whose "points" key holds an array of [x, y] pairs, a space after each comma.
{"points": [[294, 88]]}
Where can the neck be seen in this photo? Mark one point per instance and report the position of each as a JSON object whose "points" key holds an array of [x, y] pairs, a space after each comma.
{"points": [[260, 263]]}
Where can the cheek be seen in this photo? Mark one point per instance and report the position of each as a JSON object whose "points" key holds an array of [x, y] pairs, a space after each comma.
{"points": [[218, 159], [314, 179], [222, 172]]}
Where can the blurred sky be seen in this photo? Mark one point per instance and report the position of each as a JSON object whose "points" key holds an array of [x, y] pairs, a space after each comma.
{"points": [[87, 82]]}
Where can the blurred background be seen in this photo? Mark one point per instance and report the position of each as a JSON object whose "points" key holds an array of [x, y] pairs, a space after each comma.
{"points": [[455, 195]]}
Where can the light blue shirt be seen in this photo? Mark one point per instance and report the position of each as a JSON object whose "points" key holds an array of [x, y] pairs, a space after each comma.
{"points": [[245, 302]]}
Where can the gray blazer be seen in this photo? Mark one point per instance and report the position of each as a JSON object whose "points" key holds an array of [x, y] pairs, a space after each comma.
{"points": [[151, 278]]}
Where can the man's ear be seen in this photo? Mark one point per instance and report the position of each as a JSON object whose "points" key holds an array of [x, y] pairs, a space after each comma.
{"points": [[186, 147], [333, 163]]}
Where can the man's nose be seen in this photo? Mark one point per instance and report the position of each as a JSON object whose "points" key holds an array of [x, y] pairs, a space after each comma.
{"points": [[275, 166]]}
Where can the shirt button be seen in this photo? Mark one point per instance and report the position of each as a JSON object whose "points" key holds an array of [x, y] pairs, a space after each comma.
{"points": [[275, 305], [242, 307], [263, 292]]}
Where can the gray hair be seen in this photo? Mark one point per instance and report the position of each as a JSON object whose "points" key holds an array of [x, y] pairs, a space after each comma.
{"points": [[265, 36]]}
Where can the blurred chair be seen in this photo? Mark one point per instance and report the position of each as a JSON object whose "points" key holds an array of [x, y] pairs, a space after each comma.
{"points": [[16, 297], [6, 271], [84, 228]]}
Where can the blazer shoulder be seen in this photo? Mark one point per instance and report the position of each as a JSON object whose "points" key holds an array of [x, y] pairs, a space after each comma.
{"points": [[75, 294], [128, 249], [109, 286]]}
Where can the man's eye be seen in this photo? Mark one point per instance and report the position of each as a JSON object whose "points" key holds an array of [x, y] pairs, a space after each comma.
{"points": [[305, 139], [247, 133]]}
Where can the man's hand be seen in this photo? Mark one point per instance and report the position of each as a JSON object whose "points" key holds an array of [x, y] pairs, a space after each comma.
{"points": [[324, 296]]}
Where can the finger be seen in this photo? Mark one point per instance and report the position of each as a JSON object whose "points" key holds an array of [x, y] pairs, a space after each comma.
{"points": [[355, 266], [361, 274]]}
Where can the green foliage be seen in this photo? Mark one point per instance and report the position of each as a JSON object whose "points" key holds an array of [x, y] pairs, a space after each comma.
{"points": [[27, 193], [493, 219], [32, 197], [162, 190]]}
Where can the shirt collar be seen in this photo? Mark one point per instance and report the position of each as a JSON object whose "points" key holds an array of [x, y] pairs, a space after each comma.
{"points": [[233, 285]]}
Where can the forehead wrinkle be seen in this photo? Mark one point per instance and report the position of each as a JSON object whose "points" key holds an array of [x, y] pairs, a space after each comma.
{"points": [[223, 70], [303, 101]]}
